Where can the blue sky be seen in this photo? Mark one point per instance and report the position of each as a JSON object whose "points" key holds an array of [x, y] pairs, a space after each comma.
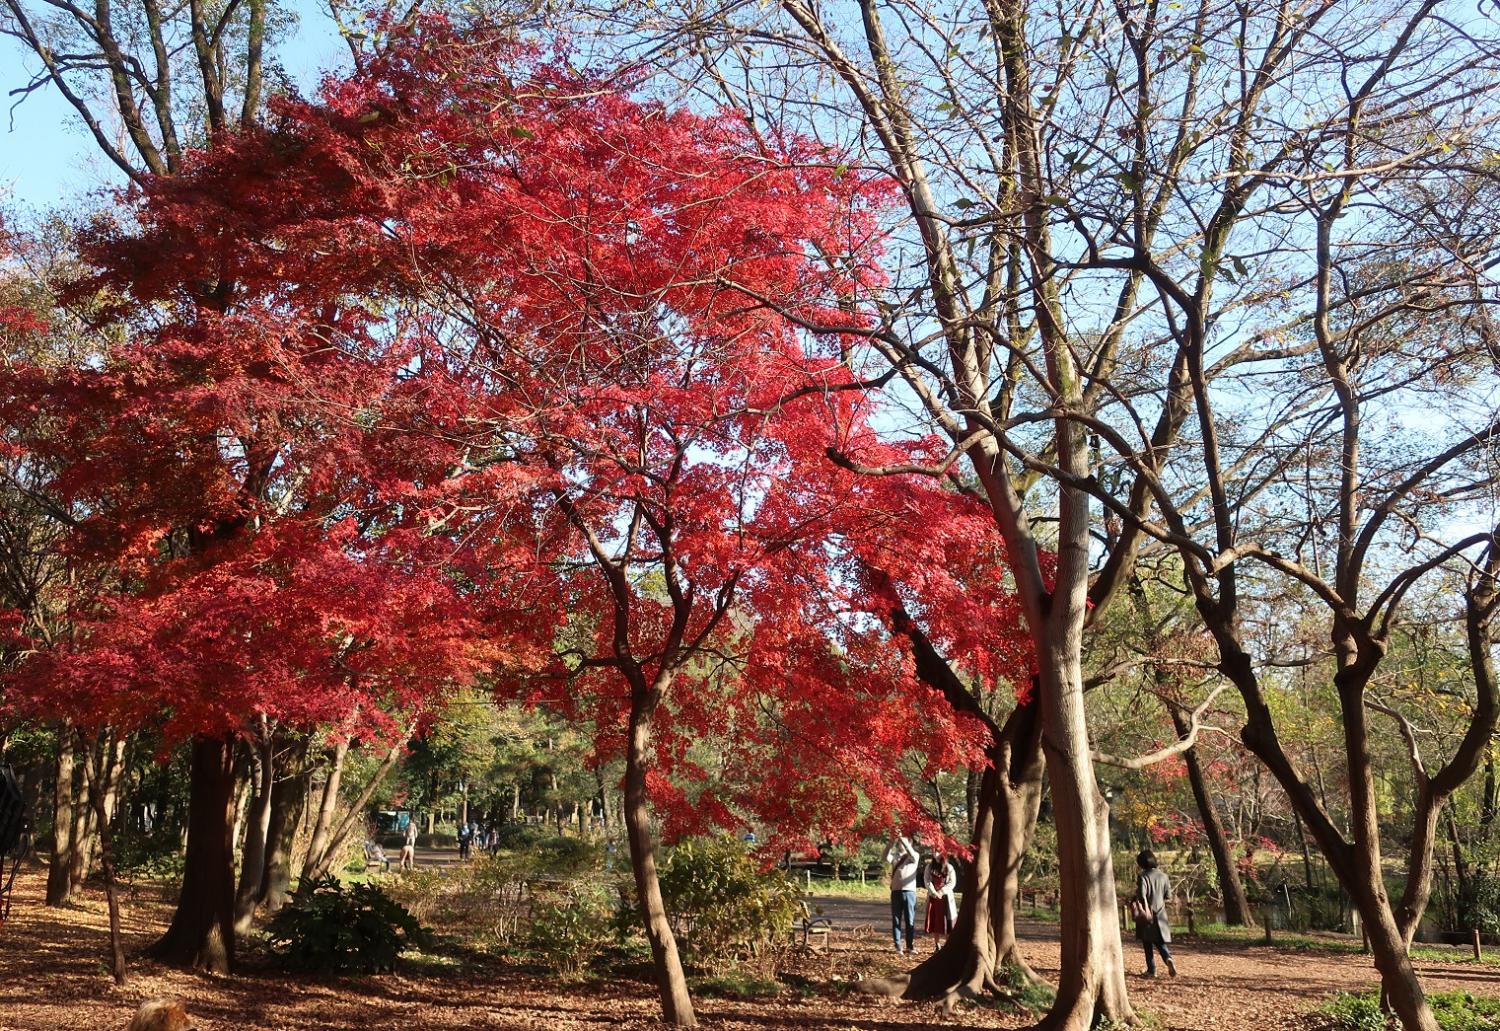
{"points": [[47, 159]]}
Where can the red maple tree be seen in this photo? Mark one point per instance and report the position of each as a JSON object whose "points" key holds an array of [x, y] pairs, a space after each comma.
{"points": [[487, 338]]}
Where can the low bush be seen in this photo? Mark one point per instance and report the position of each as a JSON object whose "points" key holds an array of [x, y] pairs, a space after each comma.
{"points": [[519, 836], [557, 901], [331, 927], [569, 925], [724, 904]]}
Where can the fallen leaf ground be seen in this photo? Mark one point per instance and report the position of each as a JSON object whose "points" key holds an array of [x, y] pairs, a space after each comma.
{"points": [[53, 977]]}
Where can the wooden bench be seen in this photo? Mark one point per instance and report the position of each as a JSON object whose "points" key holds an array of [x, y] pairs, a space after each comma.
{"points": [[375, 854], [809, 927]]}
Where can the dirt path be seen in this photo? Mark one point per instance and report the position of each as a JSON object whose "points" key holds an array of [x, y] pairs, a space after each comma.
{"points": [[53, 978]]}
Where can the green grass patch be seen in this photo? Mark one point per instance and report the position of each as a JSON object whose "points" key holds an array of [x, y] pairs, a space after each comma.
{"points": [[1028, 996], [744, 987], [1297, 941], [1455, 1011], [875, 889], [1304, 942]]}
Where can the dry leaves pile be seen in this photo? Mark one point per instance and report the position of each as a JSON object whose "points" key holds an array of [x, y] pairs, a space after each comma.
{"points": [[53, 977]]}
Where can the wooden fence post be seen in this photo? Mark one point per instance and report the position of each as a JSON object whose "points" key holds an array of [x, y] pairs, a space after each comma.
{"points": [[1478, 952]]}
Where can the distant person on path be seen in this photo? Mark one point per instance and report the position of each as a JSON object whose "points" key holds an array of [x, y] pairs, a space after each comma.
{"points": [[1152, 890], [942, 907], [465, 839], [409, 847], [904, 861]]}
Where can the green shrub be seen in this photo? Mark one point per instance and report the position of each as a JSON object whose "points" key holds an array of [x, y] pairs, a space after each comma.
{"points": [[331, 927], [1477, 903], [1455, 1011], [1349, 1011], [724, 903], [519, 836], [569, 925]]}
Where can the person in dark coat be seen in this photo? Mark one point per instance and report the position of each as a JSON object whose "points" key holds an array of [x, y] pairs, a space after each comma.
{"points": [[1152, 890]]}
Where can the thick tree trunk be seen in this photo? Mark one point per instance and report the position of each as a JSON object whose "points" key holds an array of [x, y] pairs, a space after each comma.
{"points": [[1400, 990], [1091, 985], [1020, 802], [81, 855], [982, 955], [60, 873], [288, 795], [1007, 799], [257, 827], [201, 935], [965, 965], [671, 982], [1355, 863], [1236, 907]]}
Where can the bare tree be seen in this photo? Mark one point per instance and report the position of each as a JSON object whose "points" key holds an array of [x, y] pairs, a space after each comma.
{"points": [[1220, 270]]}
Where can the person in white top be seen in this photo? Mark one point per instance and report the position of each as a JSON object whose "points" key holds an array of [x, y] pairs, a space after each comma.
{"points": [[942, 907], [904, 860]]}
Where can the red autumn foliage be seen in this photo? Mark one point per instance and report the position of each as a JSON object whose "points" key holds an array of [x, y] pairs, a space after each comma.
{"points": [[475, 349]]}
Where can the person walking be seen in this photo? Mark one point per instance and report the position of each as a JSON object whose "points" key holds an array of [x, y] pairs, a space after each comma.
{"points": [[904, 861], [409, 847], [1149, 907], [942, 907]]}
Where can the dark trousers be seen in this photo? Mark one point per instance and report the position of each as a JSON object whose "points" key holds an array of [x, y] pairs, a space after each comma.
{"points": [[903, 916], [1153, 945]]}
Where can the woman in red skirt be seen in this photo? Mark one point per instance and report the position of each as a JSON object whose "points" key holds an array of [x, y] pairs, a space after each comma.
{"points": [[942, 909]]}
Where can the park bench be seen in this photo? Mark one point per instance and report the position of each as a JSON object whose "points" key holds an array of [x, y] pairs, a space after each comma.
{"points": [[375, 853], [808, 927]]}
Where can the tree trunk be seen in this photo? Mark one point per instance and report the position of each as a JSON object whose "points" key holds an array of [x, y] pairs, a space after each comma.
{"points": [[201, 935], [1236, 907], [1008, 798], [288, 795], [1307, 868], [257, 827], [81, 856], [101, 790], [1091, 985], [982, 955], [1460, 867], [1020, 802], [244, 791], [1400, 991], [671, 982], [328, 805], [60, 873], [320, 863]]}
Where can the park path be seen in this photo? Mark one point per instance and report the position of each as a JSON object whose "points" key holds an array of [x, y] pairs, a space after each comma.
{"points": [[52, 979]]}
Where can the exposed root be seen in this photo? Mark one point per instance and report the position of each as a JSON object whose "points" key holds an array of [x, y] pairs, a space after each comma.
{"points": [[886, 987]]}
